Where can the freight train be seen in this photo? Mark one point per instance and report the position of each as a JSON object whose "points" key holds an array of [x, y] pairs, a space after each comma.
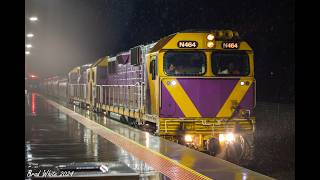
{"points": [[196, 88]]}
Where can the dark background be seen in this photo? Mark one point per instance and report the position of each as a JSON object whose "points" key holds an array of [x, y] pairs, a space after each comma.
{"points": [[75, 32]]}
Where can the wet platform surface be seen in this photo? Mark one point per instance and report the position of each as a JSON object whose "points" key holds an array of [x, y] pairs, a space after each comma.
{"points": [[199, 162], [51, 137], [147, 140]]}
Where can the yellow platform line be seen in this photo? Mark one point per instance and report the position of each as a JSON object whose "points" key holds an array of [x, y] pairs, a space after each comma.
{"points": [[95, 127]]}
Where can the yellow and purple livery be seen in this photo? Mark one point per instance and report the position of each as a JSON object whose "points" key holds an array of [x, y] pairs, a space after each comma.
{"points": [[193, 87]]}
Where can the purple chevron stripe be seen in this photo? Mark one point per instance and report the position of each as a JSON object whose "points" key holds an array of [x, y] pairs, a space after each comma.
{"points": [[169, 108]]}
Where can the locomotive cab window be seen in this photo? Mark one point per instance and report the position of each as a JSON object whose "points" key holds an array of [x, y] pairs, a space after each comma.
{"points": [[232, 63], [184, 63], [153, 67]]}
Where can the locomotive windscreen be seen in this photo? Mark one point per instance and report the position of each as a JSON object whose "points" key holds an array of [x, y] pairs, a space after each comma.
{"points": [[184, 63], [233, 63]]}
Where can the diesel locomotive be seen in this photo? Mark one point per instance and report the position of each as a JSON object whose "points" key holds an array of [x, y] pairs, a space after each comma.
{"points": [[193, 87]]}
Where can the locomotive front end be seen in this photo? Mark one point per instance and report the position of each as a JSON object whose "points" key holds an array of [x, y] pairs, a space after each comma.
{"points": [[207, 93]]}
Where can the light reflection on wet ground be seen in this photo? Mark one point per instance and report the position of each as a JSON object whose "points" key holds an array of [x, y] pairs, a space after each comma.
{"points": [[274, 150], [52, 137], [274, 141]]}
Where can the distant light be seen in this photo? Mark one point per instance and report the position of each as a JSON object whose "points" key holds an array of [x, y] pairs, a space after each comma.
{"points": [[27, 52], [30, 35], [28, 45], [33, 76], [33, 18]]}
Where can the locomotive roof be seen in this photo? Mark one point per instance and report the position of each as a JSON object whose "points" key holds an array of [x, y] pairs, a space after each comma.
{"points": [[100, 61], [220, 35]]}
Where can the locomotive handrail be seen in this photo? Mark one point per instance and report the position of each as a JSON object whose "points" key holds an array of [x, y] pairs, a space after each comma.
{"points": [[255, 94], [121, 92]]}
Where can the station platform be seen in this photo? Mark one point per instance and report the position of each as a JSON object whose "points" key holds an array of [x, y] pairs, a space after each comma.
{"points": [[170, 159], [54, 140]]}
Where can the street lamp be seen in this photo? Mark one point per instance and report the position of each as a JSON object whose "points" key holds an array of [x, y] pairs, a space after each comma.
{"points": [[30, 35], [33, 18], [29, 46]]}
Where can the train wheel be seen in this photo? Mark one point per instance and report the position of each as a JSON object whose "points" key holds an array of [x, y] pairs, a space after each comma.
{"points": [[238, 151], [213, 146], [133, 122], [124, 120]]}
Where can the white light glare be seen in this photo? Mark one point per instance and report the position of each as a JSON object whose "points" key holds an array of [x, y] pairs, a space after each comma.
{"points": [[30, 35], [226, 137], [210, 44], [29, 46], [230, 137], [188, 138], [33, 18], [241, 83], [173, 83], [210, 37], [27, 52]]}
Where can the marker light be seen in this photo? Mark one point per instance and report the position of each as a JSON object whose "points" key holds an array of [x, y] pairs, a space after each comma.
{"points": [[173, 83], [220, 34], [210, 44], [227, 137], [188, 138], [210, 37], [228, 34], [236, 34], [241, 83]]}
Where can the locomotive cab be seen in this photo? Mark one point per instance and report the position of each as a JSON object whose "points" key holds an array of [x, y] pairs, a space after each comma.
{"points": [[202, 88]]}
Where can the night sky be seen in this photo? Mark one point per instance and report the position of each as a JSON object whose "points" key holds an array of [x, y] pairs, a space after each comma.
{"points": [[75, 32]]}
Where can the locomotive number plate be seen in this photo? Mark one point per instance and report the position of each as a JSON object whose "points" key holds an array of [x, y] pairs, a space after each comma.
{"points": [[187, 44], [230, 45]]}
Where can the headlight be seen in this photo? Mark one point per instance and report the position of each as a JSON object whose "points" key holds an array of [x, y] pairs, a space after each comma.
{"points": [[227, 137], [230, 137], [210, 44], [210, 37], [188, 138], [221, 138]]}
